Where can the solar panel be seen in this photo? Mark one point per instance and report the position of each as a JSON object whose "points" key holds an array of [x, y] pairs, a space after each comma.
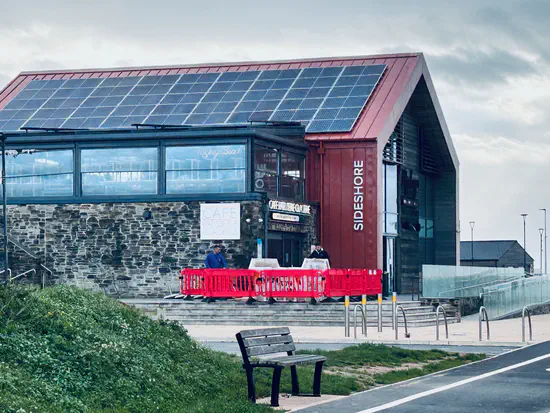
{"points": [[323, 99]]}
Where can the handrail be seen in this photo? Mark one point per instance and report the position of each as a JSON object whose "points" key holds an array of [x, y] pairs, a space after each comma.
{"points": [[44, 276], [23, 274], [9, 272], [488, 283], [437, 322], [363, 324], [407, 334], [482, 311], [526, 310]]}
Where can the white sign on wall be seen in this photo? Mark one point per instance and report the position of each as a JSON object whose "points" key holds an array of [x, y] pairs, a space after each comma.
{"points": [[220, 221]]}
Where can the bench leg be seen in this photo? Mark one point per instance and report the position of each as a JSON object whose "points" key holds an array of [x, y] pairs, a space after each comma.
{"points": [[295, 384], [317, 378], [275, 386], [251, 386]]}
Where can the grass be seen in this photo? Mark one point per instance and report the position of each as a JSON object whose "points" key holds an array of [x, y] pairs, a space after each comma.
{"points": [[68, 350]]}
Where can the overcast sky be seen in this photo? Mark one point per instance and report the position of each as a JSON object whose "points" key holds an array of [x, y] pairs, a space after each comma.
{"points": [[489, 59]]}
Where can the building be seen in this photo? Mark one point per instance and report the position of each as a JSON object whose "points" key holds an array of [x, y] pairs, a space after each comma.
{"points": [[495, 254], [114, 168]]}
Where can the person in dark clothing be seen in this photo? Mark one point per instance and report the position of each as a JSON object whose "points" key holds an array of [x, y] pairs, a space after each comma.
{"points": [[320, 253], [215, 259]]}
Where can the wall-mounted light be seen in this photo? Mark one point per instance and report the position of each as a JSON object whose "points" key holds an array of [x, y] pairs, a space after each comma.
{"points": [[260, 220], [147, 214], [248, 220]]}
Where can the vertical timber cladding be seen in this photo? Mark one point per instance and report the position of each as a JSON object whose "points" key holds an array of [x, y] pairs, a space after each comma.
{"points": [[349, 210]]}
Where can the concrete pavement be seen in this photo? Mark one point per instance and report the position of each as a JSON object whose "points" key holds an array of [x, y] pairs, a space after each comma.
{"points": [[502, 332]]}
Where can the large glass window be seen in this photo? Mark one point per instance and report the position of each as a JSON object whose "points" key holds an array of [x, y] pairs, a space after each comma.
{"points": [[390, 199], [292, 175], [119, 171], [279, 173], [205, 169], [39, 173], [266, 170]]}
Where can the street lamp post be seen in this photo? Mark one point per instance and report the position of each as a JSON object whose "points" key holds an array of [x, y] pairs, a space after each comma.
{"points": [[541, 231], [524, 246], [545, 239], [472, 225]]}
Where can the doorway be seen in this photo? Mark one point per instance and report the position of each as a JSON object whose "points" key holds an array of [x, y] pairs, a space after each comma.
{"points": [[286, 247], [389, 263]]}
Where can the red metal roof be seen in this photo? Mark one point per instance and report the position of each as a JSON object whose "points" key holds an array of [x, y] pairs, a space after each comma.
{"points": [[377, 119]]}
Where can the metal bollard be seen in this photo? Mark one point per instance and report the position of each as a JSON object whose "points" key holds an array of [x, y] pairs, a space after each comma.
{"points": [[393, 309], [364, 304], [379, 313], [346, 309]]}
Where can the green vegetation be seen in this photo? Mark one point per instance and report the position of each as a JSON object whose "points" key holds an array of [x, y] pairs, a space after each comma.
{"points": [[67, 350]]}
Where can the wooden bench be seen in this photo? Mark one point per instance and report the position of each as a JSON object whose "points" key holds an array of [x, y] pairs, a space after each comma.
{"points": [[268, 341]]}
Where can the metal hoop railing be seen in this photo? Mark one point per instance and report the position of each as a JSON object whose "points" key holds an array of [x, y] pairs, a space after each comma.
{"points": [[363, 318], [526, 310], [483, 311], [407, 334], [439, 307]]}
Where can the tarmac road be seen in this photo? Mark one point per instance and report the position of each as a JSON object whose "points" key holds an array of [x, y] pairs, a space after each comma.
{"points": [[514, 382]]}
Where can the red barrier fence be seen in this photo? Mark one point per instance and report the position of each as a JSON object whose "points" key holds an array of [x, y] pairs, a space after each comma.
{"points": [[283, 283]]}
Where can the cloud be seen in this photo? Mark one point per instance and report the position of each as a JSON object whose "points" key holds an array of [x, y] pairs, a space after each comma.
{"points": [[498, 150], [471, 68]]}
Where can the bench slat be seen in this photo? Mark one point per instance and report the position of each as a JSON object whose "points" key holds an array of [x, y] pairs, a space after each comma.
{"points": [[261, 332], [262, 341], [275, 348], [293, 360]]}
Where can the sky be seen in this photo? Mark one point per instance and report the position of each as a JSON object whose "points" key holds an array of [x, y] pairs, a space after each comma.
{"points": [[489, 60]]}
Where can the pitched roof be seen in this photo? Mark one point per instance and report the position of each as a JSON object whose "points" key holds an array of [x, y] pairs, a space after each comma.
{"points": [[486, 250], [376, 121]]}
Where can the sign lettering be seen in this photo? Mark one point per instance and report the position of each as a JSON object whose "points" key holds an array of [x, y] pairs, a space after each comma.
{"points": [[358, 196]]}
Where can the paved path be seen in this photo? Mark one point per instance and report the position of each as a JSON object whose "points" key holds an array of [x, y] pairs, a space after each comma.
{"points": [[515, 382], [503, 333]]}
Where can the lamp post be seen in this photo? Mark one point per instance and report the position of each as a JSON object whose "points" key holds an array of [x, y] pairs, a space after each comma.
{"points": [[524, 246], [545, 239], [472, 225], [541, 231]]}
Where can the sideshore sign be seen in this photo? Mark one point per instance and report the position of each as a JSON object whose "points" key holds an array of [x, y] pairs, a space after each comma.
{"points": [[358, 196]]}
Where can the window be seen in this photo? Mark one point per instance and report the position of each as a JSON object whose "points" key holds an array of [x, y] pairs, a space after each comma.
{"points": [[39, 173], [286, 181], [205, 169], [292, 176], [119, 171], [266, 170], [390, 200]]}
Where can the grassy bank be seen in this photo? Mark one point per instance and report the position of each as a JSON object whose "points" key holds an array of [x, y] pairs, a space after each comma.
{"points": [[67, 350]]}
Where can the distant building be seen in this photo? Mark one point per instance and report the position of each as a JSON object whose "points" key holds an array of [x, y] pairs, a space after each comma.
{"points": [[494, 254]]}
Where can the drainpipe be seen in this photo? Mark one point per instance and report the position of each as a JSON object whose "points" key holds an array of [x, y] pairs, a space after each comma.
{"points": [[4, 218]]}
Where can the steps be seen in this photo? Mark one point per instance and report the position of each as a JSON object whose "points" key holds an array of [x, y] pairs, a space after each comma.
{"points": [[236, 312]]}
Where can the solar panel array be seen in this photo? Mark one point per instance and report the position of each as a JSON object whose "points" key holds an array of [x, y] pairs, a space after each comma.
{"points": [[324, 99]]}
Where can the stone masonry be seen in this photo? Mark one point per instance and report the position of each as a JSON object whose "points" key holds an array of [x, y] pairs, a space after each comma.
{"points": [[111, 247]]}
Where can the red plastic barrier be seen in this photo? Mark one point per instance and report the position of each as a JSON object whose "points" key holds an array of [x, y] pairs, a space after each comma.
{"points": [[295, 283], [289, 283], [341, 282], [231, 283], [193, 281]]}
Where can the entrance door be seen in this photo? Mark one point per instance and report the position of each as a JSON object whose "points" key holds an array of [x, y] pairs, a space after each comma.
{"points": [[389, 262], [287, 248]]}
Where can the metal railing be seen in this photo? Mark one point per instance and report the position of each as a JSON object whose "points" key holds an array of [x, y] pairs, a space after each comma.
{"points": [[363, 318], [9, 273], [483, 311], [481, 285], [440, 307], [22, 274], [523, 312], [44, 275], [407, 334]]}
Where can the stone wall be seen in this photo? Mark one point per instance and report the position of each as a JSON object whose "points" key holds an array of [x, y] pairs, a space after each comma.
{"points": [[111, 246]]}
